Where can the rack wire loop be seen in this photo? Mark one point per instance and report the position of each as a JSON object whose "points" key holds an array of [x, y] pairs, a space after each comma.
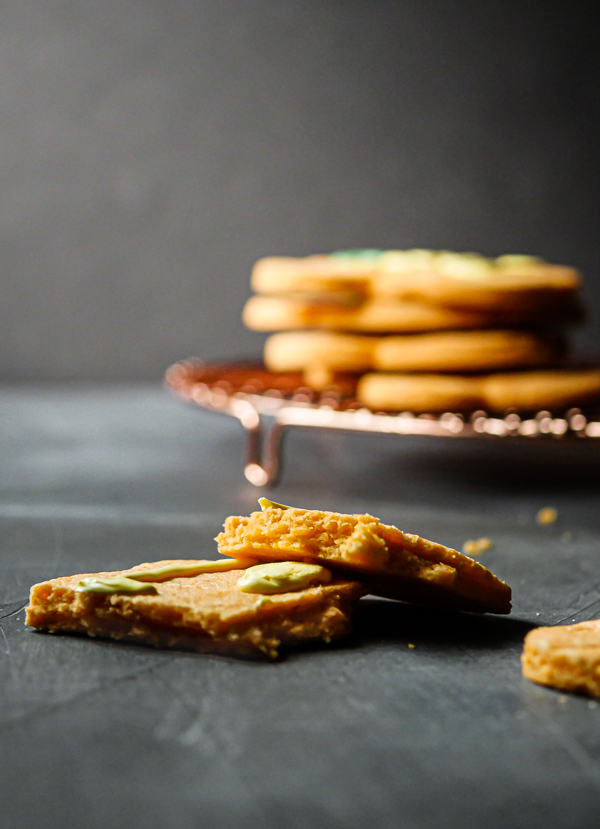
{"points": [[267, 404]]}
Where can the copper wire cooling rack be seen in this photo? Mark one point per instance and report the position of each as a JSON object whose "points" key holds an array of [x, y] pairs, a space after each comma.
{"points": [[267, 403]]}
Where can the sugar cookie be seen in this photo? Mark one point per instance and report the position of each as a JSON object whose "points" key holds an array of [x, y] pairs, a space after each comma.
{"points": [[462, 280], [384, 559], [207, 612], [549, 389], [297, 350], [420, 392], [465, 351], [524, 390], [280, 313]]}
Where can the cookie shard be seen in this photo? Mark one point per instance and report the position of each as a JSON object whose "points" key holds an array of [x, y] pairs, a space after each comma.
{"points": [[566, 657], [387, 561], [206, 613]]}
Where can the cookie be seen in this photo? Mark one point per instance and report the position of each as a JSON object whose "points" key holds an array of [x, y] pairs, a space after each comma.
{"points": [[320, 354], [207, 612], [281, 274], [325, 358], [525, 390], [473, 281], [276, 313], [534, 390], [387, 561], [462, 280], [420, 392], [297, 350], [566, 657], [466, 351]]}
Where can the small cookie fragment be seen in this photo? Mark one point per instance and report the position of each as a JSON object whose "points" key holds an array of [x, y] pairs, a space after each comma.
{"points": [[207, 613], [566, 657], [387, 561], [476, 546], [547, 515]]}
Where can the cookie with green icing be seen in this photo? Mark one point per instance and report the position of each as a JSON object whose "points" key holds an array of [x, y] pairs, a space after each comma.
{"points": [[199, 606]]}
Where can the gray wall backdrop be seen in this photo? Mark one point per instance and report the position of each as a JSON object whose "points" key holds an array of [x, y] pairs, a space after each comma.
{"points": [[151, 150]]}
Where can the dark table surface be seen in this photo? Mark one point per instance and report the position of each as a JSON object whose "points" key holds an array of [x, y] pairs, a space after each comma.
{"points": [[368, 732]]}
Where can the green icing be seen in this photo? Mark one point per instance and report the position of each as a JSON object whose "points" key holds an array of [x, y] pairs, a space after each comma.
{"points": [[114, 584], [265, 503], [282, 577], [194, 568], [359, 253], [138, 582]]}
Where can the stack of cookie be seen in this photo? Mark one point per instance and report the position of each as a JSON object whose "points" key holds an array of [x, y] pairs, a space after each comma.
{"points": [[424, 331], [293, 577]]}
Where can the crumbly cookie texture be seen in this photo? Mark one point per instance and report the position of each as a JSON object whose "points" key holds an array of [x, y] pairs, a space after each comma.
{"points": [[387, 561], [207, 613], [566, 657]]}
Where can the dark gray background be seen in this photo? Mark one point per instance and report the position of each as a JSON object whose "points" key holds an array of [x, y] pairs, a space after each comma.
{"points": [[151, 150]]}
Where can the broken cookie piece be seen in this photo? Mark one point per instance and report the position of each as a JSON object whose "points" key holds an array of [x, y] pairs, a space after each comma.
{"points": [[566, 657], [387, 561], [193, 605]]}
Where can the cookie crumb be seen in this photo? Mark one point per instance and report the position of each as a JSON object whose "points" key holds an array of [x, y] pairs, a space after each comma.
{"points": [[563, 699], [547, 515], [474, 547]]}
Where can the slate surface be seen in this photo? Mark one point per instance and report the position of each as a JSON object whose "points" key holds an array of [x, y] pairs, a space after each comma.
{"points": [[369, 732]]}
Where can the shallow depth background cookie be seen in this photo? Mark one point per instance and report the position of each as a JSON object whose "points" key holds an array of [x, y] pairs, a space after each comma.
{"points": [[296, 350], [466, 351], [207, 613], [386, 560], [473, 281], [464, 280], [533, 390], [446, 351], [566, 657], [420, 392], [275, 313], [319, 272], [523, 390]]}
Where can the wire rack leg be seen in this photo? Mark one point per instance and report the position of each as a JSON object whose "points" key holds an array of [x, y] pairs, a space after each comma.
{"points": [[263, 443], [263, 453]]}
